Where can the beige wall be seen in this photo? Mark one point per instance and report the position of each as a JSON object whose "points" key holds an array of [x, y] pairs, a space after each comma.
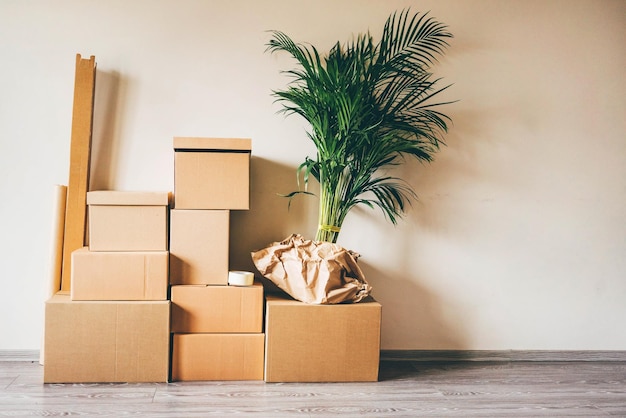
{"points": [[519, 238]]}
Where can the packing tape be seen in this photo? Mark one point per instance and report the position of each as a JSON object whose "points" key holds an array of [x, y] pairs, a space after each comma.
{"points": [[240, 278]]}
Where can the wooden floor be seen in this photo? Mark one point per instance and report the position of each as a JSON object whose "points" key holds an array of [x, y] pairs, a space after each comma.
{"points": [[405, 389]]}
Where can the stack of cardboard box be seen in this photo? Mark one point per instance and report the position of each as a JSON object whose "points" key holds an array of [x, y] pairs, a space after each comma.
{"points": [[113, 326], [217, 328]]}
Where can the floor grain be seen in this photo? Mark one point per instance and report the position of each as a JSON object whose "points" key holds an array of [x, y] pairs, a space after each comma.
{"points": [[405, 389]]}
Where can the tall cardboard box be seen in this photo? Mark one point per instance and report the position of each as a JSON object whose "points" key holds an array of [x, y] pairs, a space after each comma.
{"points": [[212, 173], [106, 341], [200, 308], [321, 343], [199, 242], [119, 275], [127, 221], [217, 356]]}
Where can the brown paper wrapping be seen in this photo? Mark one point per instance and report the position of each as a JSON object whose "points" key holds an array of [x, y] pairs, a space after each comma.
{"points": [[313, 271]]}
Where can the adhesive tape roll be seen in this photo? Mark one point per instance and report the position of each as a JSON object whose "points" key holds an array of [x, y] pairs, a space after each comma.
{"points": [[240, 278]]}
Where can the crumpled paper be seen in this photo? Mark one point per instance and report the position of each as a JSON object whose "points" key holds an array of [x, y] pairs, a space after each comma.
{"points": [[313, 271]]}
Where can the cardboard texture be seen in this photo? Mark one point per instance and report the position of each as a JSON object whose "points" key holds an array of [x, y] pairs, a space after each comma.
{"points": [[217, 308], [212, 173], [321, 343], [128, 221], [199, 241], [313, 271], [217, 357], [80, 158], [138, 275], [106, 341]]}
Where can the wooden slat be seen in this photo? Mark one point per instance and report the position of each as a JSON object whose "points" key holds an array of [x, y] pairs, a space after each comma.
{"points": [[80, 155]]}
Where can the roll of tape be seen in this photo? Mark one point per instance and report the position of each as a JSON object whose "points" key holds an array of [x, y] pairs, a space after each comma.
{"points": [[240, 278]]}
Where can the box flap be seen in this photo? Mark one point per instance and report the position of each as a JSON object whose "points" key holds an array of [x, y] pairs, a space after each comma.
{"points": [[212, 144], [113, 197]]}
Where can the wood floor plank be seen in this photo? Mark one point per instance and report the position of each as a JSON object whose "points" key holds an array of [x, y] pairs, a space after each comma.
{"points": [[405, 389]]}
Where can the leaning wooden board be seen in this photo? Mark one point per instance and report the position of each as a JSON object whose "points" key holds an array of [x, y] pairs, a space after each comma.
{"points": [[80, 155]]}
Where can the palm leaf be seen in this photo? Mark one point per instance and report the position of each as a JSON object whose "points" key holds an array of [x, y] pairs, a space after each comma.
{"points": [[368, 105]]}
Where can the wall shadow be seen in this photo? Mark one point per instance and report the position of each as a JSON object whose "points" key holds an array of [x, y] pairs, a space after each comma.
{"points": [[270, 217], [413, 311], [108, 108]]}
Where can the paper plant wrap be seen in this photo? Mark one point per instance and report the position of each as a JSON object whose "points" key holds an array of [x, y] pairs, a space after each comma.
{"points": [[313, 271]]}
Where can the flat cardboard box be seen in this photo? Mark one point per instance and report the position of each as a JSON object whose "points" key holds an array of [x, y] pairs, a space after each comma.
{"points": [[212, 173], [199, 242], [321, 343], [119, 275], [217, 357], [128, 221], [217, 308], [106, 341], [80, 163]]}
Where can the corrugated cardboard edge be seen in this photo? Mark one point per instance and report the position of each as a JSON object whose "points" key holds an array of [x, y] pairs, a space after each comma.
{"points": [[122, 198], [80, 157], [226, 144]]}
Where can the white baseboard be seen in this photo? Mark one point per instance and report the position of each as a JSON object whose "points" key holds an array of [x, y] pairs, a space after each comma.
{"points": [[501, 355], [19, 355]]}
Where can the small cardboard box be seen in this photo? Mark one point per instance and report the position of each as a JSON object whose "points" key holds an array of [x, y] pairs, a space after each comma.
{"points": [[217, 308], [217, 357], [106, 341], [212, 173], [119, 275], [321, 343], [199, 242], [127, 221]]}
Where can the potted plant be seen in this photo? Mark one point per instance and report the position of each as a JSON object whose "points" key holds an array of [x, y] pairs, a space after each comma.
{"points": [[368, 105]]}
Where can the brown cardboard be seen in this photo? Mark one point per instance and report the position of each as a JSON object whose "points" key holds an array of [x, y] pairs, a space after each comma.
{"points": [[106, 341], [217, 357], [212, 173], [119, 275], [199, 242], [217, 308], [321, 343], [127, 221], [80, 158]]}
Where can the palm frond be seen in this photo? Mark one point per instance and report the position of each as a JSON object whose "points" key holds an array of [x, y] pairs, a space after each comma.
{"points": [[368, 105]]}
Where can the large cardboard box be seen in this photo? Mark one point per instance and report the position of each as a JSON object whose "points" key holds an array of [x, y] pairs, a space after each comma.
{"points": [[321, 343], [217, 308], [127, 221], [217, 356], [106, 341], [199, 242], [212, 173], [119, 275]]}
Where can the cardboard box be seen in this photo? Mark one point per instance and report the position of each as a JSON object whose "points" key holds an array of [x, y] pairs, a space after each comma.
{"points": [[212, 173], [119, 275], [199, 242], [127, 221], [106, 341], [321, 343], [217, 356], [217, 308]]}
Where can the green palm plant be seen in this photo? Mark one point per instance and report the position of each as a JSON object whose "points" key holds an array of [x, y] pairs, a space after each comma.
{"points": [[368, 105]]}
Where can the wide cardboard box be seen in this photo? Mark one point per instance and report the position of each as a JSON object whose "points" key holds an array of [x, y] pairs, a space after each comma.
{"points": [[200, 308], [106, 341], [199, 242], [212, 173], [217, 357], [119, 275], [321, 343], [127, 221]]}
